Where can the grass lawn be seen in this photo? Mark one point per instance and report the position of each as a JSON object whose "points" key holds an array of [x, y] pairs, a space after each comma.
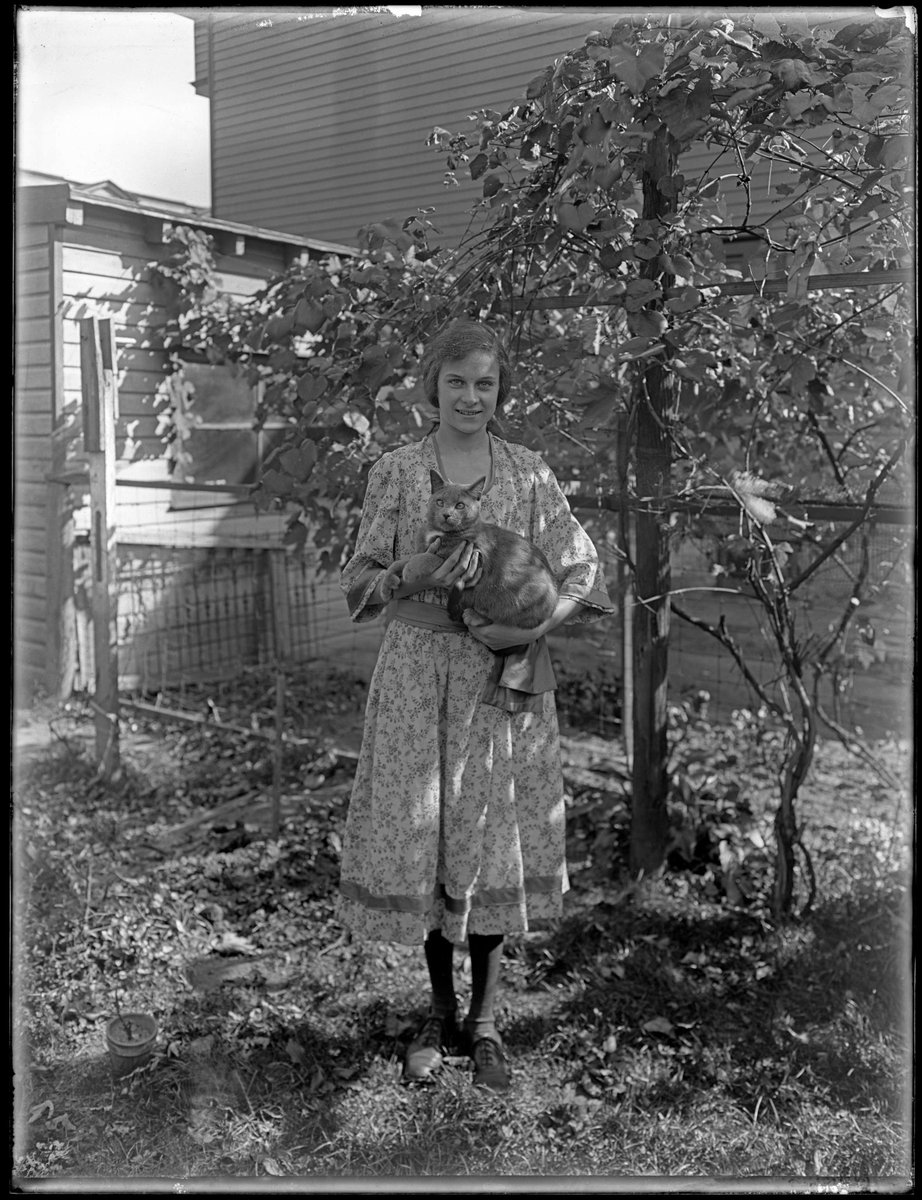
{"points": [[663, 1030]]}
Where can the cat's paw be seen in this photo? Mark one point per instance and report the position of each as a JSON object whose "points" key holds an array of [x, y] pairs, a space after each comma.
{"points": [[420, 567], [473, 620], [390, 582]]}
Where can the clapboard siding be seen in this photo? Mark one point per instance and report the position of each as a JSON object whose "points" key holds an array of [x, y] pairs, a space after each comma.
{"points": [[322, 124], [33, 453]]}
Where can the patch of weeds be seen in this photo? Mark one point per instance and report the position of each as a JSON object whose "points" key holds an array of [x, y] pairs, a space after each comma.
{"points": [[657, 1030], [589, 699]]}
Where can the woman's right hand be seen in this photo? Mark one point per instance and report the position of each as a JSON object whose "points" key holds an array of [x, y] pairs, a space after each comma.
{"points": [[464, 565]]}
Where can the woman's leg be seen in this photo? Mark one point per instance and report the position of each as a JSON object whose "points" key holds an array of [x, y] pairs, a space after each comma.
{"points": [[486, 1047], [486, 960], [439, 959], [424, 1054]]}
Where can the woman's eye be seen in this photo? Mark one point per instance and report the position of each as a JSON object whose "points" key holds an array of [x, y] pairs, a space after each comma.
{"points": [[439, 504], [460, 504]]}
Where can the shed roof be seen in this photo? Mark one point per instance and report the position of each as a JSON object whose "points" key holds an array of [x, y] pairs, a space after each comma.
{"points": [[51, 198]]}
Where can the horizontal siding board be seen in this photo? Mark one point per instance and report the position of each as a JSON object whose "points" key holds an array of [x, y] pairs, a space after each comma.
{"points": [[33, 448], [32, 330], [29, 629], [30, 592], [31, 538], [32, 481], [34, 306], [29, 235], [33, 354], [32, 258], [30, 665], [34, 378], [27, 562], [32, 283], [34, 421]]}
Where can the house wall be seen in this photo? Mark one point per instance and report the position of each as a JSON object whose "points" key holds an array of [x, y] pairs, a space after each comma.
{"points": [[320, 123], [94, 261], [34, 416]]}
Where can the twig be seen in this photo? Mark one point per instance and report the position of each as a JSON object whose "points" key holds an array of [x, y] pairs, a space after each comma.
{"points": [[246, 1094], [61, 738], [342, 940], [89, 895], [854, 746]]}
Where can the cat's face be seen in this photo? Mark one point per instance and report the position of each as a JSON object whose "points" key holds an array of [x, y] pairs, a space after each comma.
{"points": [[468, 389], [452, 507]]}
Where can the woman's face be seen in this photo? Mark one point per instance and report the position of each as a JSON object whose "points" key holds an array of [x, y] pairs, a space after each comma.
{"points": [[468, 389]]}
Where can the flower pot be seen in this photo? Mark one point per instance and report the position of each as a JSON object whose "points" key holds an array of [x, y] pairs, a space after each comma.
{"points": [[130, 1040]]}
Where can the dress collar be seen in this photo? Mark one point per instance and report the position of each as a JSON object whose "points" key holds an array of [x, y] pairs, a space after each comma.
{"points": [[491, 475]]}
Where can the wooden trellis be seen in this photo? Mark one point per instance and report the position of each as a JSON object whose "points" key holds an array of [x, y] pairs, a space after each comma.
{"points": [[645, 625]]}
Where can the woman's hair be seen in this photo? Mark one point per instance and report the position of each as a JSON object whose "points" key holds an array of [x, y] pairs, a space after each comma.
{"points": [[456, 341]]}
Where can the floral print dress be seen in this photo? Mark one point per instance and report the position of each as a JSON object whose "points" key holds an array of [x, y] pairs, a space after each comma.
{"points": [[456, 820]]}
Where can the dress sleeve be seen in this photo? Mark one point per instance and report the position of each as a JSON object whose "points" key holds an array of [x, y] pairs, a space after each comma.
{"points": [[569, 549], [376, 541]]}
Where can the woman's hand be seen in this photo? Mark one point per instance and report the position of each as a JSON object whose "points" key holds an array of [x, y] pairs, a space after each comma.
{"points": [[503, 637], [464, 565], [500, 637]]}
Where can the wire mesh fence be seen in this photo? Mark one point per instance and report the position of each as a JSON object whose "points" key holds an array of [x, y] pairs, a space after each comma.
{"points": [[197, 615]]}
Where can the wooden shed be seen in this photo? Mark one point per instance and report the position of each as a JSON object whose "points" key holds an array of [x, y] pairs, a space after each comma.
{"points": [[185, 556]]}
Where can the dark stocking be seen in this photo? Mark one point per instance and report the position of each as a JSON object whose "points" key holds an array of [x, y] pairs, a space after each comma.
{"points": [[486, 958], [439, 952]]}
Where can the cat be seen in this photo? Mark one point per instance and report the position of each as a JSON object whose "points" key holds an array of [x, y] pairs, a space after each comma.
{"points": [[516, 585]]}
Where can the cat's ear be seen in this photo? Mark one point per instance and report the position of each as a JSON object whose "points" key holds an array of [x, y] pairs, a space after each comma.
{"points": [[436, 481], [476, 489]]}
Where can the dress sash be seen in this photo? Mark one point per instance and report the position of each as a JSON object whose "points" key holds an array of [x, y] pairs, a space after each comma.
{"points": [[520, 675]]}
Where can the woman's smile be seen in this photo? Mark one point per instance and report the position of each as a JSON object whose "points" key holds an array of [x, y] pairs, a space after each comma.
{"points": [[468, 390]]}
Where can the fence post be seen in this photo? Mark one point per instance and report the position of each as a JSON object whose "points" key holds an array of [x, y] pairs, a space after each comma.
{"points": [[281, 605], [626, 587], [99, 389]]}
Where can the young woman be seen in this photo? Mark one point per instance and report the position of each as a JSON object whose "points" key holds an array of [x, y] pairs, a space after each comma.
{"points": [[455, 831]]}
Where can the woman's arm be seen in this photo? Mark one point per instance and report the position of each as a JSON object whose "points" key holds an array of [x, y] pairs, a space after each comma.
{"points": [[463, 565], [501, 637]]}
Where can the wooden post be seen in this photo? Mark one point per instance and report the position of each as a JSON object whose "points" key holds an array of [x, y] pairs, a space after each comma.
{"points": [[653, 463], [97, 362], [280, 603], [626, 590], [281, 638], [275, 820], [626, 582]]}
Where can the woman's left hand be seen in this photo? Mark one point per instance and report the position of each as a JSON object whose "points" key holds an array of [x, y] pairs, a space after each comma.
{"points": [[499, 637]]}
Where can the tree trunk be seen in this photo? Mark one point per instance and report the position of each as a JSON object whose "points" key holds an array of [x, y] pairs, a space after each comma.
{"points": [[653, 462]]}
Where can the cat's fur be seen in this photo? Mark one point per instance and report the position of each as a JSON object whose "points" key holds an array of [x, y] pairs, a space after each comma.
{"points": [[516, 585]]}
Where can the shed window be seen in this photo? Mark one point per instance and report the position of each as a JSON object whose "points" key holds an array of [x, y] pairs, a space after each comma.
{"points": [[221, 445]]}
